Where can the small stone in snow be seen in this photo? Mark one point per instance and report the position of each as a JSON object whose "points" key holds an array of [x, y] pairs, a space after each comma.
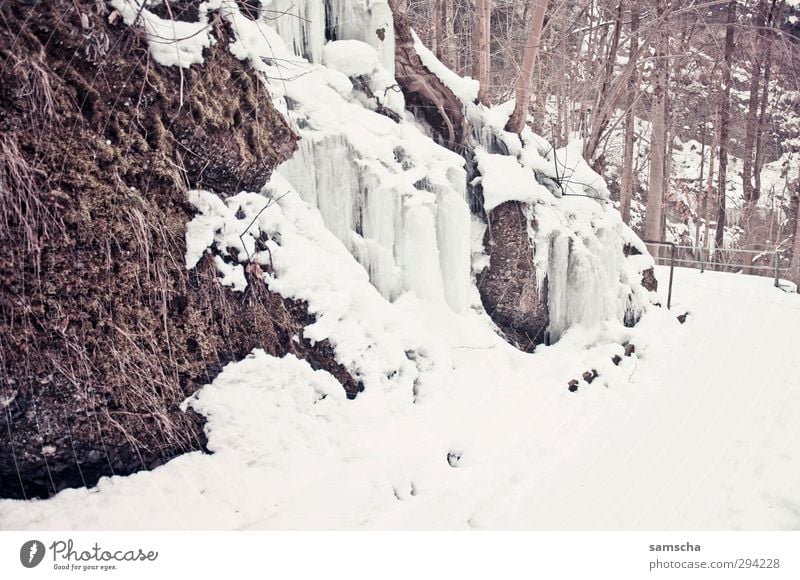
{"points": [[453, 458]]}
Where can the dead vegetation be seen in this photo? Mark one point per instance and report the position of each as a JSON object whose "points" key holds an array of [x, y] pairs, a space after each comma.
{"points": [[103, 332]]}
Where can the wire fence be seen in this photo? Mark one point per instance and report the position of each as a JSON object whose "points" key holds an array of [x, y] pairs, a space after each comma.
{"points": [[755, 262]]}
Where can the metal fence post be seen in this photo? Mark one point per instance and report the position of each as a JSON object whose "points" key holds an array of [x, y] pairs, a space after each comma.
{"points": [[797, 280], [702, 259], [671, 270]]}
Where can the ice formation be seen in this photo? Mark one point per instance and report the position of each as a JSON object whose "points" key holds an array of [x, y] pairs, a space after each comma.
{"points": [[306, 25], [395, 199]]}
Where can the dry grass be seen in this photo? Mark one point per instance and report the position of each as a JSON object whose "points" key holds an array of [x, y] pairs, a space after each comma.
{"points": [[24, 217]]}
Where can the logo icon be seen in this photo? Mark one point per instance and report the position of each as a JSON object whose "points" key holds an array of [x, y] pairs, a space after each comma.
{"points": [[31, 553]]}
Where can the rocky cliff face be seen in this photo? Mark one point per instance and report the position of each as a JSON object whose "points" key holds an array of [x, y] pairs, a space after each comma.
{"points": [[103, 331]]}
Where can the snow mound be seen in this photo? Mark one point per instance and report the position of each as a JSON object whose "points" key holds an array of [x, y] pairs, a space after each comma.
{"points": [[504, 179], [351, 57]]}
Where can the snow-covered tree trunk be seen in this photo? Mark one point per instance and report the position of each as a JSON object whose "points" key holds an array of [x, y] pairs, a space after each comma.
{"points": [[425, 93]]}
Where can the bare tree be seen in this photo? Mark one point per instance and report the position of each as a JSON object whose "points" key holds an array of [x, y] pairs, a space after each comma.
{"points": [[523, 93], [709, 192], [775, 12], [607, 96], [655, 183], [750, 193], [794, 255], [481, 47], [437, 38], [724, 122], [626, 186]]}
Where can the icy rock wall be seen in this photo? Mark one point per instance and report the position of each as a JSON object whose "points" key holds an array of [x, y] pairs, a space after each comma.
{"points": [[397, 201], [574, 234]]}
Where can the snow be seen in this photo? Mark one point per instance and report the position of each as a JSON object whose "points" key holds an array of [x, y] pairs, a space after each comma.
{"points": [[504, 179], [299, 258], [696, 430], [351, 57], [301, 23], [465, 88], [394, 198], [578, 245], [579, 178], [170, 42]]}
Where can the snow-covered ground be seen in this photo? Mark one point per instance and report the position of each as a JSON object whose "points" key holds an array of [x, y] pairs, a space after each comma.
{"points": [[697, 430]]}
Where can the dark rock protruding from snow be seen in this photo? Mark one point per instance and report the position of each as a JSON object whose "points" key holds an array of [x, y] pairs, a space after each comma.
{"points": [[649, 281], [508, 287]]}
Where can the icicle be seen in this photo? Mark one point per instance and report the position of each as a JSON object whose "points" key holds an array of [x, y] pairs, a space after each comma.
{"points": [[301, 24], [453, 239], [370, 22], [419, 254]]}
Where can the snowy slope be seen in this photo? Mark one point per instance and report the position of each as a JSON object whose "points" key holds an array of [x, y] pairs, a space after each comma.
{"points": [[369, 225], [696, 430]]}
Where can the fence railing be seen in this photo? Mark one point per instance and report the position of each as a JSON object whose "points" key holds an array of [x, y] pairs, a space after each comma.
{"points": [[754, 262]]}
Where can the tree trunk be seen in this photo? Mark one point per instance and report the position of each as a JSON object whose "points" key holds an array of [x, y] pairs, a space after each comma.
{"points": [[751, 125], [523, 92], [438, 29], [655, 193], [700, 181], [709, 195], [794, 256], [604, 102], [724, 122], [481, 48], [762, 115], [668, 137], [425, 94], [773, 17], [626, 187]]}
